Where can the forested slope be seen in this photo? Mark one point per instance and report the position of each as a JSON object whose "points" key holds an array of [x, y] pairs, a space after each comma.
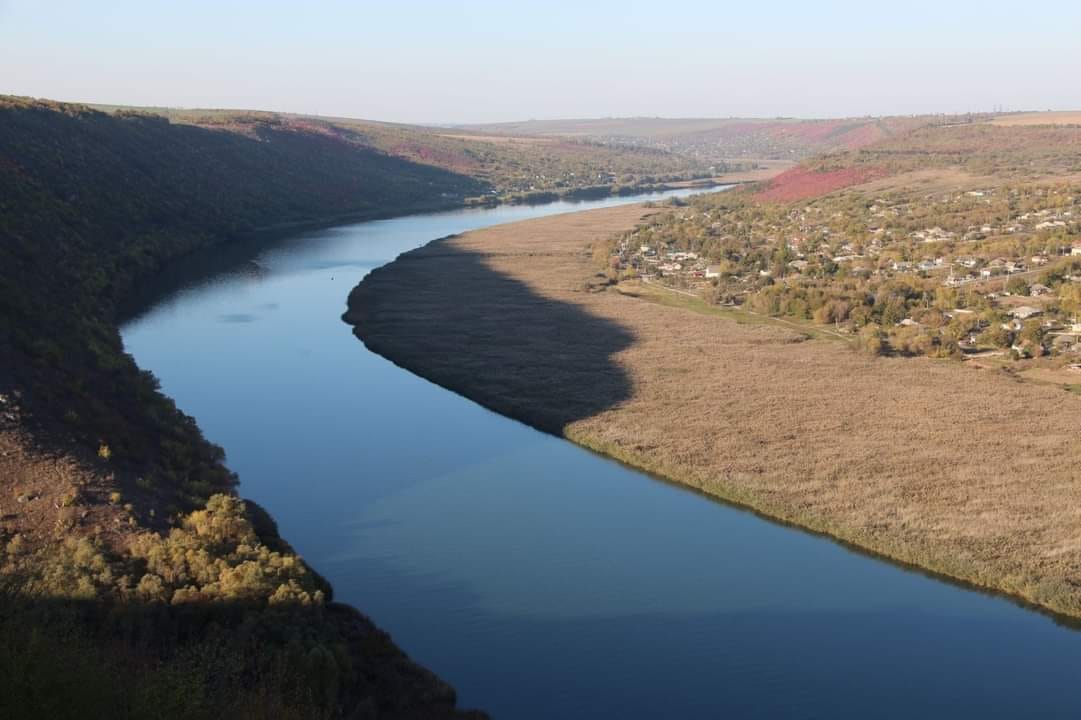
{"points": [[92, 203], [122, 550]]}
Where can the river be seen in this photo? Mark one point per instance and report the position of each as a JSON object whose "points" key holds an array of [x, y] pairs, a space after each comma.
{"points": [[539, 579]]}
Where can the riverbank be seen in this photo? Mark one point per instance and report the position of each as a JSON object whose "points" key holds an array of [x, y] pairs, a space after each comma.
{"points": [[920, 461]]}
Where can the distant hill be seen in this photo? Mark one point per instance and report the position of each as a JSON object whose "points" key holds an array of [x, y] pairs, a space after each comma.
{"points": [[1051, 117], [714, 140], [509, 167]]}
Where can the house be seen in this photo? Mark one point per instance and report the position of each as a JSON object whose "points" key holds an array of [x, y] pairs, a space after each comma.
{"points": [[1024, 312], [1038, 289], [1064, 343], [713, 271], [1076, 249], [953, 280]]}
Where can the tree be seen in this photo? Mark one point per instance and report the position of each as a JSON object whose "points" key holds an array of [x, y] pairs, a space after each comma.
{"points": [[872, 340], [996, 336], [1031, 338], [1017, 286]]}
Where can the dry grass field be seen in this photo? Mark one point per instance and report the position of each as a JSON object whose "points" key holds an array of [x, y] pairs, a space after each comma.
{"points": [[1055, 376], [1060, 117], [766, 170], [968, 473], [501, 139]]}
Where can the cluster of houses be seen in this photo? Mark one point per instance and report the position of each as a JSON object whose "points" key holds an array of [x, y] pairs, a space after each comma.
{"points": [[1061, 337], [650, 261], [889, 237]]}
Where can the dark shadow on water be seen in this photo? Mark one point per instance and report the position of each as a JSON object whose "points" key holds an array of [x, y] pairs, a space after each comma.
{"points": [[443, 313]]}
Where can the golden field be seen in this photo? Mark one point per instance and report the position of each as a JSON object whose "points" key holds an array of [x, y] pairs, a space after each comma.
{"points": [[1053, 117]]}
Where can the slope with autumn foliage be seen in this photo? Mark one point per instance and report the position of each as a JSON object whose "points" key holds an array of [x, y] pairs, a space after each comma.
{"points": [[123, 549]]}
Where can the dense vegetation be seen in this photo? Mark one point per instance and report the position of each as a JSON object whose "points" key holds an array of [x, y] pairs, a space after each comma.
{"points": [[206, 621]]}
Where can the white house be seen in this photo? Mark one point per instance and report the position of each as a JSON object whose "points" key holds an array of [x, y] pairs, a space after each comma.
{"points": [[1024, 312]]}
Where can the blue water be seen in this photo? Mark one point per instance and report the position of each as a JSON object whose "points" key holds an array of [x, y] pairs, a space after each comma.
{"points": [[541, 580]]}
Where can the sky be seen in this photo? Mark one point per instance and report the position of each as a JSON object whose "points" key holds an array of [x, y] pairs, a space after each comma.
{"points": [[458, 61]]}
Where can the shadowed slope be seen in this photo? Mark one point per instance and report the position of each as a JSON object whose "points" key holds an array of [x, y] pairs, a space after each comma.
{"points": [[95, 457]]}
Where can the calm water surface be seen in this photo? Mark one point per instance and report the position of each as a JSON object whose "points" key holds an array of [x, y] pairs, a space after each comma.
{"points": [[541, 580]]}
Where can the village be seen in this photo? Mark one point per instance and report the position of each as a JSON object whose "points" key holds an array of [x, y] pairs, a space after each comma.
{"points": [[984, 272]]}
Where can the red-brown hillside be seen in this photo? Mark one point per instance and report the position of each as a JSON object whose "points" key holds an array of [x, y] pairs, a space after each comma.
{"points": [[801, 183]]}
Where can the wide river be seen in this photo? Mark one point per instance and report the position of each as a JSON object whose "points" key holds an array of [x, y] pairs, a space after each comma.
{"points": [[539, 579]]}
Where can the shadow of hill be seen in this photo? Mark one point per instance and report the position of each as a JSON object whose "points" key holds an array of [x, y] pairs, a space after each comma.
{"points": [[443, 313]]}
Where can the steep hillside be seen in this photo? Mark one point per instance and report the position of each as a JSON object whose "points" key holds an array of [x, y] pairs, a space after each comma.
{"points": [[123, 551], [513, 168], [93, 203]]}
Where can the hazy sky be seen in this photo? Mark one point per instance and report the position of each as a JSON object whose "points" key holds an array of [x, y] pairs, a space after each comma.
{"points": [[516, 59]]}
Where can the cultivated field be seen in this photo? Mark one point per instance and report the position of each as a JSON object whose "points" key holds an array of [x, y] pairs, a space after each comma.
{"points": [[1062, 117], [965, 472], [501, 139]]}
